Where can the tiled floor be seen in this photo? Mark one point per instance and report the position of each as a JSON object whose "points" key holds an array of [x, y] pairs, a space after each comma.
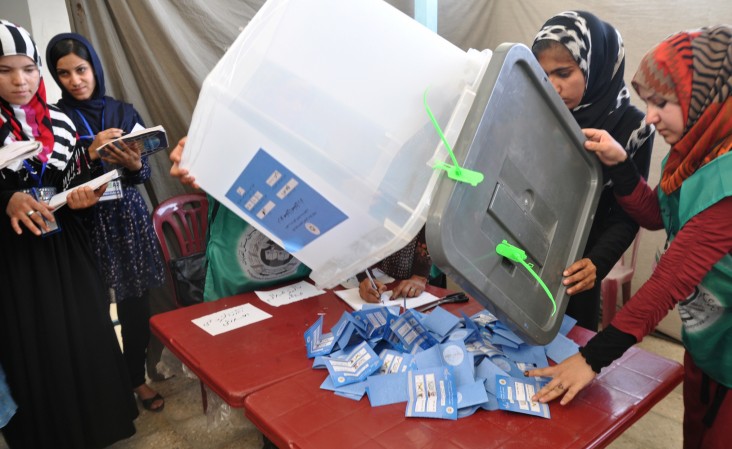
{"points": [[182, 424]]}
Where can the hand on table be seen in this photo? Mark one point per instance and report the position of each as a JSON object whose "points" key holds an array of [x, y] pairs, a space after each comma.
{"points": [[409, 288], [580, 276], [569, 378]]}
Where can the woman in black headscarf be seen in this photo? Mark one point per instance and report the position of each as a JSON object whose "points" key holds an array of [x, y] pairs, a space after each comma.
{"points": [[57, 345], [122, 235], [584, 59]]}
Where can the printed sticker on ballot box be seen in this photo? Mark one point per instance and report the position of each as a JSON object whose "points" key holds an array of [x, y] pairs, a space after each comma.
{"points": [[273, 196]]}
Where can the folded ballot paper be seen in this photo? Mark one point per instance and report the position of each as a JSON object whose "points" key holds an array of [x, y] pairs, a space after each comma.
{"points": [[439, 365], [18, 151]]}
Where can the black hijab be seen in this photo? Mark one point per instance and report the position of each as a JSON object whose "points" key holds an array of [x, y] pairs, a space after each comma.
{"points": [[598, 50], [100, 111]]}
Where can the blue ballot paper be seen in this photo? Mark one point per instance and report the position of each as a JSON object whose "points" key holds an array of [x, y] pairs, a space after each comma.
{"points": [[489, 371], [375, 320], [455, 355], [411, 332], [348, 331], [345, 319], [440, 322], [350, 391], [508, 366], [499, 340], [480, 364], [471, 394], [472, 328], [514, 395], [394, 361], [429, 358], [432, 393], [532, 355], [491, 404], [481, 348], [387, 389], [561, 348], [461, 334], [354, 366], [317, 343], [567, 324], [484, 318], [467, 411], [506, 333]]}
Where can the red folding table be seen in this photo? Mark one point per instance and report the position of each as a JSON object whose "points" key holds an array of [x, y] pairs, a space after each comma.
{"points": [[238, 362], [263, 367], [296, 413]]}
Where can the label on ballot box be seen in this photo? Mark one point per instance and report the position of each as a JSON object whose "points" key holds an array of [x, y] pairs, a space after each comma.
{"points": [[277, 200]]}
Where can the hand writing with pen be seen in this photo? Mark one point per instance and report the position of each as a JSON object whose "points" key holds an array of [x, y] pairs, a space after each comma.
{"points": [[371, 290]]}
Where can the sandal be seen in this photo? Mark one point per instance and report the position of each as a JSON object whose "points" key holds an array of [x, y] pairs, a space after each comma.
{"points": [[148, 403]]}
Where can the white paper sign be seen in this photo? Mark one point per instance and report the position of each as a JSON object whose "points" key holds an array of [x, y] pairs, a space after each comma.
{"points": [[291, 293], [230, 319]]}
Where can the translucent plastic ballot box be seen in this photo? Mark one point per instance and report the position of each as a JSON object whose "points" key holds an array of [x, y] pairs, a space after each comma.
{"points": [[508, 240], [313, 128]]}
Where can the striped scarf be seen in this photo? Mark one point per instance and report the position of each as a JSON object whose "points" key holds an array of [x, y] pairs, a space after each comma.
{"points": [[694, 70], [35, 120], [30, 121]]}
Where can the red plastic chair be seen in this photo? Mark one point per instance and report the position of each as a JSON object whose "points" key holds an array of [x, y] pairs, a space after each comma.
{"points": [[185, 217], [620, 275]]}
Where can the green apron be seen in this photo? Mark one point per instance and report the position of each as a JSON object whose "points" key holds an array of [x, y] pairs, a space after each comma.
{"points": [[707, 313]]}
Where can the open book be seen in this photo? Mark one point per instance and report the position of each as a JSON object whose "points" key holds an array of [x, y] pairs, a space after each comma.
{"points": [[149, 140], [18, 151], [59, 199]]}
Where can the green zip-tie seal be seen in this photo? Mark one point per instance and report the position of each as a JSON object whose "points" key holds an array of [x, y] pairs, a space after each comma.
{"points": [[453, 171], [516, 254]]}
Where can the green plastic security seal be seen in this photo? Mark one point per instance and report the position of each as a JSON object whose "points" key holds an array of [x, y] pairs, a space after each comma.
{"points": [[453, 171], [516, 254]]}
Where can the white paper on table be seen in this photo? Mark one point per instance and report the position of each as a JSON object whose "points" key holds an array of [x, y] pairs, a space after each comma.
{"points": [[291, 293], [230, 319], [353, 299]]}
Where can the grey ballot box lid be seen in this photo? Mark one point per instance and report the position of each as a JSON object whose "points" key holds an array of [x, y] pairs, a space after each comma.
{"points": [[540, 192]]}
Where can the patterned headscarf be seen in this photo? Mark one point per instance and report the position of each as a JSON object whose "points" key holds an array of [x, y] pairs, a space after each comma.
{"points": [[598, 50], [694, 70], [30, 121]]}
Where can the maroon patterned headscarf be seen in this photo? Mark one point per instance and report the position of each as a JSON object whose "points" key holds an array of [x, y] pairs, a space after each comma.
{"points": [[694, 70]]}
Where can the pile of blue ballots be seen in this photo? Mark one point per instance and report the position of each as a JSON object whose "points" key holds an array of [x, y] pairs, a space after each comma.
{"points": [[441, 365]]}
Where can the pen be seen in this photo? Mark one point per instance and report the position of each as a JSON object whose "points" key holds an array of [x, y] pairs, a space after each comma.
{"points": [[373, 284]]}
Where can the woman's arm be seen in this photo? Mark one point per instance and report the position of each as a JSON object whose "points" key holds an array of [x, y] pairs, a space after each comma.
{"points": [[701, 243]]}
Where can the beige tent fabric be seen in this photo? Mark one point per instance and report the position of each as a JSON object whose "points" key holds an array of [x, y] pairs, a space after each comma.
{"points": [[156, 53]]}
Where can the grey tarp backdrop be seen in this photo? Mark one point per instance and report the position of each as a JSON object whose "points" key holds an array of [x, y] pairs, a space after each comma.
{"points": [[156, 53]]}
